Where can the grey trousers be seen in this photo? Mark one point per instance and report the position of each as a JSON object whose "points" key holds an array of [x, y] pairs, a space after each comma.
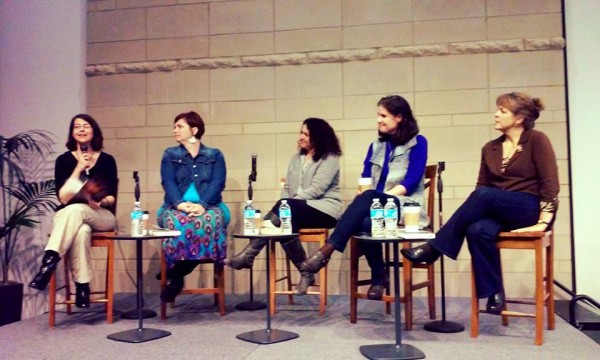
{"points": [[71, 234]]}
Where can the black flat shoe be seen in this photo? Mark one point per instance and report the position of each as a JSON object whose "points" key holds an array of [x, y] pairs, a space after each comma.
{"points": [[496, 303], [421, 254], [375, 292], [172, 289], [82, 295]]}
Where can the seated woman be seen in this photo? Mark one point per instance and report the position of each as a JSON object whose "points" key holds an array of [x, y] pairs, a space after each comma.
{"points": [[86, 183], [193, 177], [516, 191], [312, 191], [396, 163]]}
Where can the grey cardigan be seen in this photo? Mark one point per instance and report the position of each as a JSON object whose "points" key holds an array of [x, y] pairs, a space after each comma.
{"points": [[317, 183]]}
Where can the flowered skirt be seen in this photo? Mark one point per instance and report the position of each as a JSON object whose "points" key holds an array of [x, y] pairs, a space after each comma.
{"points": [[202, 237]]}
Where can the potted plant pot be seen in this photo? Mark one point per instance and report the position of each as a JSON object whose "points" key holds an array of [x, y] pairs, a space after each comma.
{"points": [[11, 302]]}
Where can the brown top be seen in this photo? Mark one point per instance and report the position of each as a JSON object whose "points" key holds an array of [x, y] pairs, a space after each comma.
{"points": [[531, 169]]}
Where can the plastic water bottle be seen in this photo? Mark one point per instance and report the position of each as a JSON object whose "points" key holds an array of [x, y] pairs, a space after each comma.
{"points": [[390, 211], [137, 220], [250, 227], [377, 228], [285, 215]]}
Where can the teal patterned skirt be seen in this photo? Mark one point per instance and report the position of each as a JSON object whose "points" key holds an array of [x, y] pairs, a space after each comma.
{"points": [[202, 237]]}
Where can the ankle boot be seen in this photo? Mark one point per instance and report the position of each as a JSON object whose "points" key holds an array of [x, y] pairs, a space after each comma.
{"points": [[82, 295], [245, 258], [318, 260], [42, 278], [296, 253]]}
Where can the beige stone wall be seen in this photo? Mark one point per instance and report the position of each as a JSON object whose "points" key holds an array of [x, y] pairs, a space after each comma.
{"points": [[254, 69]]}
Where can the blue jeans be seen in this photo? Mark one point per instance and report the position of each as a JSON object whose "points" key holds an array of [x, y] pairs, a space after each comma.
{"points": [[357, 219], [485, 213]]}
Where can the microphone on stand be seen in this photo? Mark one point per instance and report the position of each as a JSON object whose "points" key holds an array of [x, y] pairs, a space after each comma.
{"points": [[84, 149], [252, 176], [442, 326]]}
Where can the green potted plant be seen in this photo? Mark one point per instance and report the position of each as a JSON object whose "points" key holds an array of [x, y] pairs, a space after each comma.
{"points": [[23, 203]]}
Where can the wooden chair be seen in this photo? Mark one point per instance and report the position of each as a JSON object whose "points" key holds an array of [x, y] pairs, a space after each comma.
{"points": [[408, 284], [537, 241], [98, 240], [218, 288], [308, 236]]}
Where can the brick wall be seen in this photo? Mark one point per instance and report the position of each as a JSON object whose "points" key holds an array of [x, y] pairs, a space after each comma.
{"points": [[254, 69]]}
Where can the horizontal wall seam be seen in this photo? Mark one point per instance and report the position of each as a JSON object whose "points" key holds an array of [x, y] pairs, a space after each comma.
{"points": [[335, 56]]}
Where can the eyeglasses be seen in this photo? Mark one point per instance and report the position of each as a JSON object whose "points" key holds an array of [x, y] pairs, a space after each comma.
{"points": [[84, 126]]}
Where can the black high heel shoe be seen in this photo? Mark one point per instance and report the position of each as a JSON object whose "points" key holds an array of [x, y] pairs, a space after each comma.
{"points": [[421, 254], [172, 289], [496, 303], [49, 263]]}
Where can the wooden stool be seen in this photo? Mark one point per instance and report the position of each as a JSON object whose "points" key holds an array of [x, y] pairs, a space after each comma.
{"points": [[408, 284], [309, 236], [538, 241], [218, 288], [98, 240]]}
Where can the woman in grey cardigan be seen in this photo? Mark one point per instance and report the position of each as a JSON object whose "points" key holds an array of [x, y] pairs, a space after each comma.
{"points": [[312, 191]]}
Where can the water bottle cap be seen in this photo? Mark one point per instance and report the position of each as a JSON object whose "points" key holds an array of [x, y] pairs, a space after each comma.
{"points": [[284, 201], [390, 199]]}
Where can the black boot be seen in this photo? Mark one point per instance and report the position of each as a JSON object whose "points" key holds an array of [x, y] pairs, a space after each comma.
{"points": [[82, 295], [175, 276], [245, 258], [422, 253], [42, 278], [296, 253]]}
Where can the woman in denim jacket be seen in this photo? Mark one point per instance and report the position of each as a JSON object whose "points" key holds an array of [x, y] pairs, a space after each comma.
{"points": [[396, 164], [193, 177]]}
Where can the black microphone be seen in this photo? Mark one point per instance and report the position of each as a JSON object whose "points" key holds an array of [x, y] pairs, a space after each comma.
{"points": [[84, 149], [136, 191], [253, 174]]}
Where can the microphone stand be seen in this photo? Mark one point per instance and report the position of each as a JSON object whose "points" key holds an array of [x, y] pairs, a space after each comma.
{"points": [[442, 326], [251, 304], [146, 313]]}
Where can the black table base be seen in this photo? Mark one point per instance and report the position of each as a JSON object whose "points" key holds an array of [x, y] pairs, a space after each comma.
{"points": [[251, 305], [391, 351], [443, 326], [265, 337], [139, 335], [133, 314]]}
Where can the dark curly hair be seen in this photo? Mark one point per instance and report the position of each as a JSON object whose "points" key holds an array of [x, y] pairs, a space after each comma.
{"points": [[322, 138], [407, 128], [97, 142]]}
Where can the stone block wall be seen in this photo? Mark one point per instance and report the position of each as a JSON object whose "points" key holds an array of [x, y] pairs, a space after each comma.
{"points": [[254, 69]]}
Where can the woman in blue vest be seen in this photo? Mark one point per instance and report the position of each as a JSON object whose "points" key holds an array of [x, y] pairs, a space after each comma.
{"points": [[396, 163]]}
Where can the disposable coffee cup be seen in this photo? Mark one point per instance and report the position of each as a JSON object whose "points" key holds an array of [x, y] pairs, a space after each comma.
{"points": [[364, 184], [411, 213]]}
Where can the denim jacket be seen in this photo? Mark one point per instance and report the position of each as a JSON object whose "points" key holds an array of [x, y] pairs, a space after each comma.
{"points": [[206, 171]]}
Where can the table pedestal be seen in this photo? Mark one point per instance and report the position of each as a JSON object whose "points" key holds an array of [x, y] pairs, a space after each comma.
{"points": [[268, 335], [140, 334], [398, 350]]}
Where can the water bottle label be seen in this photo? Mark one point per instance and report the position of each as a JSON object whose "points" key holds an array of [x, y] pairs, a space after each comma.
{"points": [[376, 213], [283, 213], [249, 213], [391, 213]]}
